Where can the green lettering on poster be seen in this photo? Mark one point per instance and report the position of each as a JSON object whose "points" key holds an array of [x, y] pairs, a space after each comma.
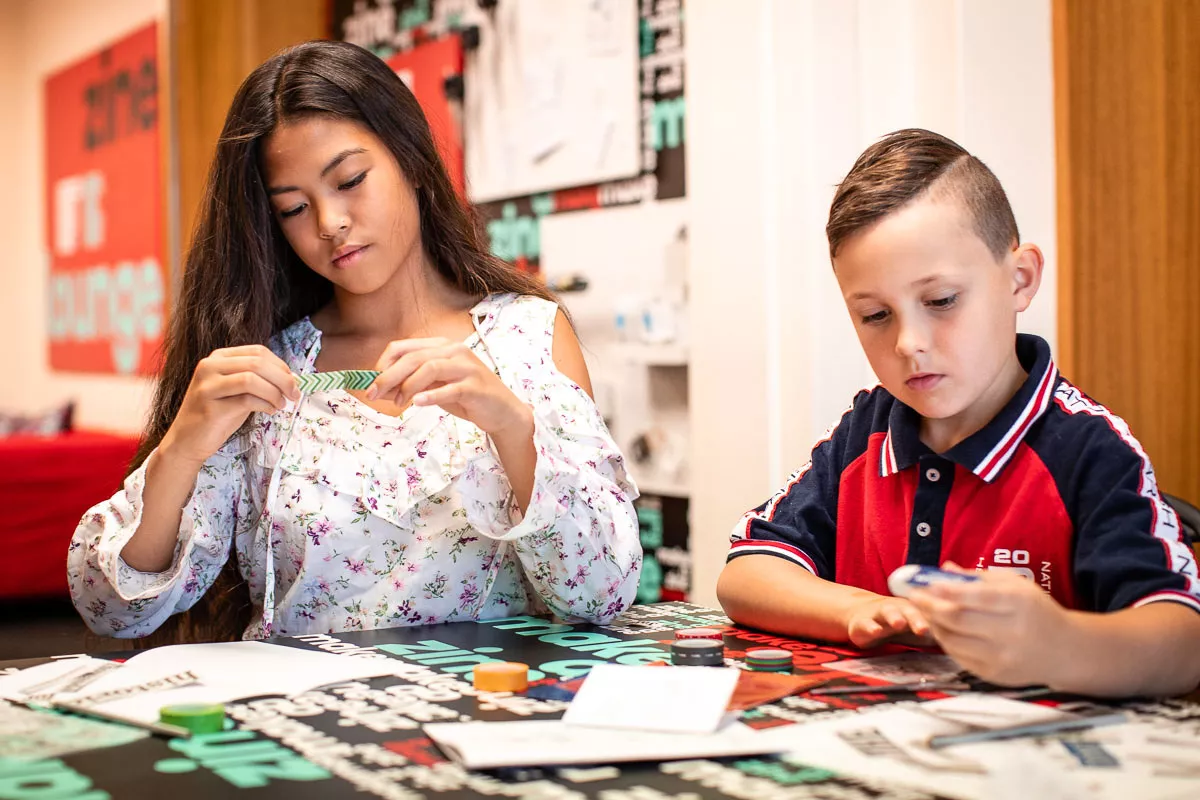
{"points": [[47, 779], [667, 123]]}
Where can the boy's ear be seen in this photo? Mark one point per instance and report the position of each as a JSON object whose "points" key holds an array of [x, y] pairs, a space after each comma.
{"points": [[1027, 263]]}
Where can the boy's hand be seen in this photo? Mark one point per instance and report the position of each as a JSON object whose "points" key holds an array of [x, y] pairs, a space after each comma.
{"points": [[1003, 628], [883, 618]]}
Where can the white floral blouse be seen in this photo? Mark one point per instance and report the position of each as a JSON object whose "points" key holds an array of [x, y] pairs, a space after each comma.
{"points": [[345, 518]]}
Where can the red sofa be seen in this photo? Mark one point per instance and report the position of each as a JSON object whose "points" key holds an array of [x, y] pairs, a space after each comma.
{"points": [[46, 484]]}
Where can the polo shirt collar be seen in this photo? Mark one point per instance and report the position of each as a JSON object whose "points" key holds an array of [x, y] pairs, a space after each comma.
{"points": [[986, 451]]}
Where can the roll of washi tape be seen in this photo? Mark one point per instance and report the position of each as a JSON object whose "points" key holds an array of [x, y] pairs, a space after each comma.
{"points": [[768, 654], [508, 676], [697, 653], [196, 717], [344, 379], [765, 659], [700, 633]]}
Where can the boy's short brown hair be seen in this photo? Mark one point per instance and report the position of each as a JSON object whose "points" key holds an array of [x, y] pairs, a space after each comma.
{"points": [[907, 164]]}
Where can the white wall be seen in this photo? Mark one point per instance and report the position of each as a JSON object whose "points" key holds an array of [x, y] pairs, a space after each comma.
{"points": [[782, 97], [37, 38]]}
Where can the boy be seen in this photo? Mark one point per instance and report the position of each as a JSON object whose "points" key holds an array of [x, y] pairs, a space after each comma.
{"points": [[972, 451]]}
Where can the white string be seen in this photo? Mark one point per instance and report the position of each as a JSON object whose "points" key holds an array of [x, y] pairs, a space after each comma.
{"points": [[268, 612]]}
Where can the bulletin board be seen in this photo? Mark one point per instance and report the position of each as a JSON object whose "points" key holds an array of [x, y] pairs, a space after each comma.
{"points": [[513, 223], [551, 96]]}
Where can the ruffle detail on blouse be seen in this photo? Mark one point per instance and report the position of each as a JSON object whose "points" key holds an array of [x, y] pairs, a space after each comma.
{"points": [[419, 458]]}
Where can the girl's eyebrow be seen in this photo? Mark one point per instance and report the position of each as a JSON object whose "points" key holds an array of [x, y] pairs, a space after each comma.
{"points": [[333, 162], [340, 157]]}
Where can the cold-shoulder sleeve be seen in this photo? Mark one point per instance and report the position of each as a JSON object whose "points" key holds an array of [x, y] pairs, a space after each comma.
{"points": [[116, 600], [578, 540]]}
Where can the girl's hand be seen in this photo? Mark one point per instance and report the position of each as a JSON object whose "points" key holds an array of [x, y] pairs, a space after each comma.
{"points": [[227, 387], [444, 373]]}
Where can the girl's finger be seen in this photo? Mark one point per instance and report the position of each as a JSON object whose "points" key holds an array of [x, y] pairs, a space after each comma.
{"points": [[402, 347], [245, 383], [244, 350], [390, 378], [272, 369], [254, 403], [440, 396], [431, 373]]}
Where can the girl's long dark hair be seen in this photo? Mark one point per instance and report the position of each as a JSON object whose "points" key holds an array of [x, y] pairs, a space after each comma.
{"points": [[242, 282]]}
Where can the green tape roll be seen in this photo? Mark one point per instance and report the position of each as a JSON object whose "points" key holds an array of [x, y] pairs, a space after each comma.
{"points": [[343, 379], [196, 717]]}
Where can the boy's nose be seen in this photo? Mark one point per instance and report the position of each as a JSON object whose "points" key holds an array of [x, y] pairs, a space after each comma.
{"points": [[911, 339]]}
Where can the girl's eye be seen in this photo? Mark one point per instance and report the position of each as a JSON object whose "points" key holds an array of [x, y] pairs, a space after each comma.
{"points": [[875, 319], [291, 212], [355, 181], [944, 302]]}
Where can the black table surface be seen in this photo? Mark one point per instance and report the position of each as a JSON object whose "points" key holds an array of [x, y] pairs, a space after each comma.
{"points": [[365, 738]]}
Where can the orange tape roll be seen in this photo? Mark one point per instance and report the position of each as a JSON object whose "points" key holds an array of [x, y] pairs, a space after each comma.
{"points": [[505, 677]]}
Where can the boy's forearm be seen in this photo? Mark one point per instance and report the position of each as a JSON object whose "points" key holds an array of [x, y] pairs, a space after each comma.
{"points": [[774, 594], [1152, 650]]}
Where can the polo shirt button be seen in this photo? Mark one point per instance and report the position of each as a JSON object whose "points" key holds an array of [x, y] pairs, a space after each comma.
{"points": [[932, 474], [923, 529]]}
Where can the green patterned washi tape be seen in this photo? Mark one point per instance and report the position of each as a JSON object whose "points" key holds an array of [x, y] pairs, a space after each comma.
{"points": [[344, 379]]}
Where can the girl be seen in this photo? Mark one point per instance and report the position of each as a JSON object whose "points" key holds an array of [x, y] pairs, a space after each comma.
{"points": [[474, 478]]}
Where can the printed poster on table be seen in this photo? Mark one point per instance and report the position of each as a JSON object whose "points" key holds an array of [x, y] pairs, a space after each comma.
{"points": [[104, 207]]}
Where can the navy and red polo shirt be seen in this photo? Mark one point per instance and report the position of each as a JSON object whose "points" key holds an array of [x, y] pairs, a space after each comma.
{"points": [[1055, 487]]}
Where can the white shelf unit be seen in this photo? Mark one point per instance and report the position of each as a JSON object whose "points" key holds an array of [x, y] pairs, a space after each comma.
{"points": [[640, 387]]}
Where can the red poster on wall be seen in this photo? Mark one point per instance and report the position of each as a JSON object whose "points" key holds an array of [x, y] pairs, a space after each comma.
{"points": [[104, 206], [424, 70]]}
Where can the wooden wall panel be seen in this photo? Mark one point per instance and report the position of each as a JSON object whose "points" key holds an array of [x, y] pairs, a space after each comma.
{"points": [[216, 44], [1127, 97]]}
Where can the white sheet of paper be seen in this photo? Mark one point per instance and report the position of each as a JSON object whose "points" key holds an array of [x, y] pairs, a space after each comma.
{"points": [[1155, 759], [486, 745], [888, 742], [667, 699], [20, 685], [253, 668], [225, 671]]}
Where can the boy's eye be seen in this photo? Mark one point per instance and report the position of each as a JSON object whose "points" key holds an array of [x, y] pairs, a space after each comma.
{"points": [[291, 212], [355, 181], [875, 319], [944, 302]]}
